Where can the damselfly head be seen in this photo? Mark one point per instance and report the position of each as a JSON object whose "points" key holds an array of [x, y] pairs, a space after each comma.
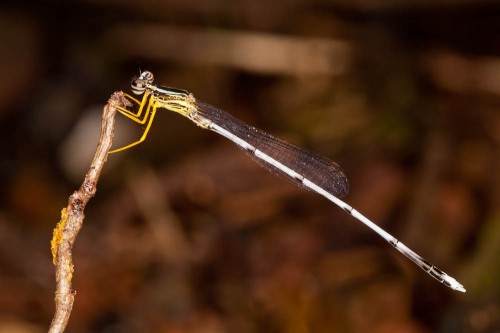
{"points": [[140, 83]]}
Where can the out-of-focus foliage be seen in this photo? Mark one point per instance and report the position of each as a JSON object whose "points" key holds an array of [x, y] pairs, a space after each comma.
{"points": [[186, 234]]}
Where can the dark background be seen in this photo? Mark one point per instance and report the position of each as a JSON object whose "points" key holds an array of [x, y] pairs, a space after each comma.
{"points": [[186, 233]]}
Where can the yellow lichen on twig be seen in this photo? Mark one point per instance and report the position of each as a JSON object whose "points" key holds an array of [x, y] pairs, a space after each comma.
{"points": [[58, 235]]}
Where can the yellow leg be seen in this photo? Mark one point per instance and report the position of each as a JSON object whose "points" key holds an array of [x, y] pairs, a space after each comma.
{"points": [[145, 133], [136, 117]]}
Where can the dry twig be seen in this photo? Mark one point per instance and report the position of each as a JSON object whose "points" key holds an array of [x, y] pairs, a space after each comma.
{"points": [[72, 218]]}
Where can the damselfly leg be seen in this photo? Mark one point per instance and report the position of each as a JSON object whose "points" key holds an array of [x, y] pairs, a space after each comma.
{"points": [[148, 117]]}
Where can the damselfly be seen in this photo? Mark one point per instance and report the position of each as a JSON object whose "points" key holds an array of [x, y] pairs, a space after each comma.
{"points": [[305, 168]]}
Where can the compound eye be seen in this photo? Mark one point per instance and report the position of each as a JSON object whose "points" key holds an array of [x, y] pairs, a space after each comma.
{"points": [[138, 86], [147, 76]]}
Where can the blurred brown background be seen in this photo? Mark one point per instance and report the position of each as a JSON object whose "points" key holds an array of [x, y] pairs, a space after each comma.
{"points": [[186, 233]]}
